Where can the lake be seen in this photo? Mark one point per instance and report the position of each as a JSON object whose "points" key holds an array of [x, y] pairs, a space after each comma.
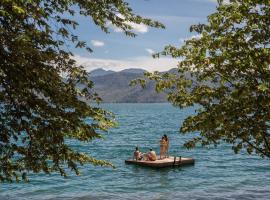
{"points": [[217, 174]]}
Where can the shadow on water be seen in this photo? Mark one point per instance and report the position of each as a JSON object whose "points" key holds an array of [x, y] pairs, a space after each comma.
{"points": [[138, 168], [161, 176]]}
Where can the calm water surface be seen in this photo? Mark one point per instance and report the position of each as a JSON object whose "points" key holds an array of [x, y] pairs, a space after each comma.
{"points": [[217, 174]]}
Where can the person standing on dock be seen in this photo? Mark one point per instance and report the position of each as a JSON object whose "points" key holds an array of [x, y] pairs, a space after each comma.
{"points": [[162, 147], [166, 148]]}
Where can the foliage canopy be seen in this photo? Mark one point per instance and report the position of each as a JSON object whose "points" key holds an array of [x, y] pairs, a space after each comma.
{"points": [[39, 109], [226, 71]]}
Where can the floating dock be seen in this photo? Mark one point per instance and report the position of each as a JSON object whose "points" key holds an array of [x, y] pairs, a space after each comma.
{"points": [[166, 162]]}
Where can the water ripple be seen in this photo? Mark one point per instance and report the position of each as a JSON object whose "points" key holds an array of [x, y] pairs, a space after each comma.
{"points": [[217, 174]]}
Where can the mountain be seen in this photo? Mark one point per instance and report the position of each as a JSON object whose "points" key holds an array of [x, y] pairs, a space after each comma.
{"points": [[113, 87], [100, 72], [134, 71]]}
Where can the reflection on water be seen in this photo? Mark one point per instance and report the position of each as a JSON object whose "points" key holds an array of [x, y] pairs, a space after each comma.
{"points": [[217, 173]]}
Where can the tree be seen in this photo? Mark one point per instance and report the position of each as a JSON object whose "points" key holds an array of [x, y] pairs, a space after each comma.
{"points": [[41, 105], [225, 74]]}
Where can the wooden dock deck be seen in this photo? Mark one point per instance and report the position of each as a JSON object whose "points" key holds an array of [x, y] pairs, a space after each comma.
{"points": [[166, 162]]}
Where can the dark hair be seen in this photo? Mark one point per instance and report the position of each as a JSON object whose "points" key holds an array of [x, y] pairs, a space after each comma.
{"points": [[151, 149], [137, 148], [165, 136]]}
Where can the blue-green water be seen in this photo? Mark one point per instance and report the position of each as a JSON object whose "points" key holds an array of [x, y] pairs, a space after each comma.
{"points": [[217, 174]]}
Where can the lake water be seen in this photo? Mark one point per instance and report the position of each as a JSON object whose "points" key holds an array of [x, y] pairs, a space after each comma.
{"points": [[217, 174]]}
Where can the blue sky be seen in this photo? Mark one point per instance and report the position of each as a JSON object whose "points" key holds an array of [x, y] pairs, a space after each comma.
{"points": [[115, 51]]}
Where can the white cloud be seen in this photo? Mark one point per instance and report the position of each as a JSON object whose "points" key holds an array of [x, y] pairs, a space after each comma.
{"points": [[139, 28], [145, 62], [150, 51], [97, 43], [226, 1], [182, 40]]}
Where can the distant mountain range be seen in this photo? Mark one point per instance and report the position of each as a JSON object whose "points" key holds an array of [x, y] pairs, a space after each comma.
{"points": [[113, 87]]}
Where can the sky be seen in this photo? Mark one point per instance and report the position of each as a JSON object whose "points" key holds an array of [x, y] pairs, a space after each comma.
{"points": [[116, 51]]}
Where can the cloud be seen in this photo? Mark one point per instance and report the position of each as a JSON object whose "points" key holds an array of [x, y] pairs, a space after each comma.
{"points": [[226, 1], [150, 51], [144, 62], [182, 40], [97, 43], [139, 28]]}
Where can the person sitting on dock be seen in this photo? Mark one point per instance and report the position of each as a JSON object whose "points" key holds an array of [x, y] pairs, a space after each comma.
{"points": [[137, 155], [151, 155]]}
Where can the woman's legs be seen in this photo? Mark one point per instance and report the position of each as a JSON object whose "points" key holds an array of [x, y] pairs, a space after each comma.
{"points": [[166, 151], [162, 152]]}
